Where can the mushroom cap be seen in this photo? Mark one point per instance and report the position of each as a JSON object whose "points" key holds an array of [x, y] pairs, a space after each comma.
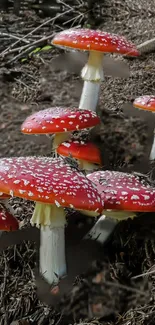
{"points": [[124, 191], [59, 119], [146, 102], [7, 221], [94, 40], [80, 150], [48, 180]]}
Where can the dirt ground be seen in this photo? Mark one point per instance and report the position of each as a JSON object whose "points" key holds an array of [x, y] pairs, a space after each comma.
{"points": [[120, 288]]}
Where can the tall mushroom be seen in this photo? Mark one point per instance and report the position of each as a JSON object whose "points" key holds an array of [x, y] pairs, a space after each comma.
{"points": [[53, 185], [86, 153], [97, 43], [60, 121], [147, 103]]}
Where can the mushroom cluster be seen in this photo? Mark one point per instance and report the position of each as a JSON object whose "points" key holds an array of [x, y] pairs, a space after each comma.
{"points": [[52, 183]]}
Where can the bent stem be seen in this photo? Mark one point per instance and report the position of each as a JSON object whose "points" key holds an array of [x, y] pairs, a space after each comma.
{"points": [[106, 224], [92, 74], [52, 240], [102, 229]]}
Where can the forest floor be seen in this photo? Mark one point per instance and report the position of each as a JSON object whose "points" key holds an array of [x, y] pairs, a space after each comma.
{"points": [[123, 295]]}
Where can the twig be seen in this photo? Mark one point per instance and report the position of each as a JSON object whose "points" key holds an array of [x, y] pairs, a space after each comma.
{"points": [[4, 283], [143, 274], [15, 37], [125, 287], [27, 48], [34, 30]]}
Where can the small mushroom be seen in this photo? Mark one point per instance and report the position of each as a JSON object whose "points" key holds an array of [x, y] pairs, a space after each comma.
{"points": [[53, 185], [147, 103], [7, 220], [86, 153], [60, 121], [97, 43], [124, 194]]}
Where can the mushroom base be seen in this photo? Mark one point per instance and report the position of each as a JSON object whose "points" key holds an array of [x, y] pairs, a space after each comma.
{"points": [[60, 137], [52, 254], [52, 236]]}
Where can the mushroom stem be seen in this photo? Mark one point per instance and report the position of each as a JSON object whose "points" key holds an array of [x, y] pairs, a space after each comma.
{"points": [[92, 74], [86, 165], [106, 224], [119, 215], [59, 138], [52, 253], [102, 229], [152, 153], [52, 244]]}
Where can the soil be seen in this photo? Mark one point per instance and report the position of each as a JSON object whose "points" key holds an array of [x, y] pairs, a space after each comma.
{"points": [[120, 287]]}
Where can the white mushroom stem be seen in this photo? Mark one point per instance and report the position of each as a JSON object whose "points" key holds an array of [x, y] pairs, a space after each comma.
{"points": [[92, 74], [52, 220], [152, 153], [60, 137], [106, 224], [102, 229]]}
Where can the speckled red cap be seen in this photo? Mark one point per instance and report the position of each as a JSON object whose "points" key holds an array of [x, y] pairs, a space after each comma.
{"points": [[123, 191], [94, 40], [7, 221], [59, 119], [48, 180], [80, 150], [146, 102]]}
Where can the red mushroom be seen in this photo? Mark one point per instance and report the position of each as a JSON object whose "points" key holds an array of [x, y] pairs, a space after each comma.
{"points": [[147, 103], [52, 184], [7, 221], [86, 153], [60, 121], [124, 193], [97, 43]]}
